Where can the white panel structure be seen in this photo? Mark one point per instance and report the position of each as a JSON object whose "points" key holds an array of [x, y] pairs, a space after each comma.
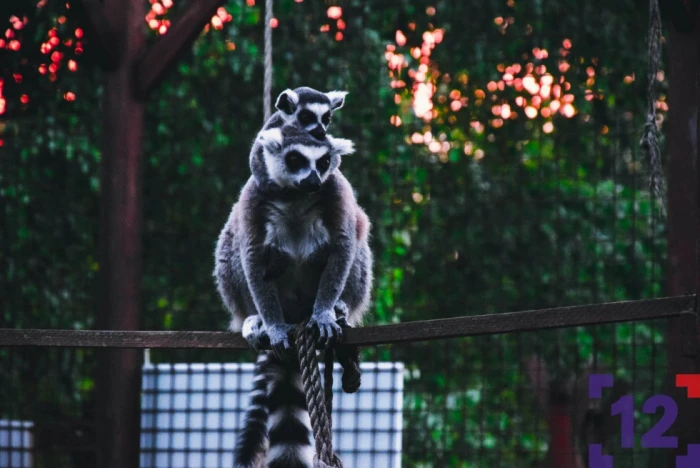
{"points": [[191, 414], [16, 443]]}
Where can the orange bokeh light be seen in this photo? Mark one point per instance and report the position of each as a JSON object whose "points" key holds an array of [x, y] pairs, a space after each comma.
{"points": [[335, 12], [568, 110], [400, 38]]}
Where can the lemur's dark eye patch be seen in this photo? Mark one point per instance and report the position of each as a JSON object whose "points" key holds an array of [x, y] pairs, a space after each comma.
{"points": [[326, 119], [306, 117], [295, 161], [324, 163]]}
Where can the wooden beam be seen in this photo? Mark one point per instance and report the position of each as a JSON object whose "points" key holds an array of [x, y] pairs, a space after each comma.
{"points": [[683, 229], [423, 330], [101, 33], [118, 378], [163, 54]]}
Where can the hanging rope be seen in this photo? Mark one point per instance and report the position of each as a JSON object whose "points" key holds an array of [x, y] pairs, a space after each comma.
{"points": [[650, 137], [267, 80], [315, 401]]}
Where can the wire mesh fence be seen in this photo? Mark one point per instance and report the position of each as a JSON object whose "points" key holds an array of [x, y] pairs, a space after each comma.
{"points": [[509, 400]]}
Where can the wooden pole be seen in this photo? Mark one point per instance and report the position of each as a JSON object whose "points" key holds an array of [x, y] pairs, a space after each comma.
{"points": [[683, 227], [118, 382]]}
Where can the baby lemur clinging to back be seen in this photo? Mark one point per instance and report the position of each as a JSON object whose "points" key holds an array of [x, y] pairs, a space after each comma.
{"points": [[311, 109], [299, 210]]}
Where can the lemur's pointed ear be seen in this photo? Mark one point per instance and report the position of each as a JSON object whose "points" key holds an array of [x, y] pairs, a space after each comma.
{"points": [[337, 99], [287, 101], [341, 146], [271, 139]]}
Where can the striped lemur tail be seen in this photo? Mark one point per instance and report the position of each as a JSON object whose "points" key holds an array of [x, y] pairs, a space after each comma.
{"points": [[278, 416], [252, 441]]}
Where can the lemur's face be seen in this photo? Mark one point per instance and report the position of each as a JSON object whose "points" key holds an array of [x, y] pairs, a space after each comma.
{"points": [[310, 109], [294, 159]]}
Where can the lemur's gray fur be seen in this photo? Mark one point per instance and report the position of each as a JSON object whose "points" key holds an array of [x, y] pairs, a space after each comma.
{"points": [[304, 107], [295, 251], [312, 224]]}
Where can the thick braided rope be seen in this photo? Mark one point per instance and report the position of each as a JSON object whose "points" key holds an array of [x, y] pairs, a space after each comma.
{"points": [[650, 135], [311, 379], [267, 81], [328, 392]]}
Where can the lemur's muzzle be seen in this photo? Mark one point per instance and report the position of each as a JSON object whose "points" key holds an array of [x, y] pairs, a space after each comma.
{"points": [[318, 132], [311, 184]]}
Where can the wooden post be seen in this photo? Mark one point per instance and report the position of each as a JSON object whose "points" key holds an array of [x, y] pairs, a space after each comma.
{"points": [[683, 226], [119, 373]]}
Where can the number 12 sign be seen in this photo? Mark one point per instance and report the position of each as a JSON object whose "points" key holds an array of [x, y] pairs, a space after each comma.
{"points": [[654, 437]]}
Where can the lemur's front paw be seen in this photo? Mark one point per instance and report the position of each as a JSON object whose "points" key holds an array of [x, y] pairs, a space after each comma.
{"points": [[279, 339], [329, 330], [341, 313], [254, 332]]}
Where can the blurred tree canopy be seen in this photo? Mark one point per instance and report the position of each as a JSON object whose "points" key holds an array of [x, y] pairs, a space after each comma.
{"points": [[497, 157]]}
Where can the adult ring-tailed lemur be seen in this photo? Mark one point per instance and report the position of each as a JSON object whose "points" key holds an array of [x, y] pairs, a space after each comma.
{"points": [[295, 247]]}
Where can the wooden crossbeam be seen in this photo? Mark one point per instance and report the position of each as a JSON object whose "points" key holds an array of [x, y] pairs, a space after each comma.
{"points": [[164, 52], [423, 330]]}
